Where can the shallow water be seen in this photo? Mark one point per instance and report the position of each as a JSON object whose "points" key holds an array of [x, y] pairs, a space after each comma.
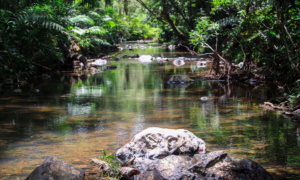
{"points": [[75, 118]]}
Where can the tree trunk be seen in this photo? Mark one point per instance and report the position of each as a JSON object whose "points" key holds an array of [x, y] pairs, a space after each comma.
{"points": [[126, 7]]}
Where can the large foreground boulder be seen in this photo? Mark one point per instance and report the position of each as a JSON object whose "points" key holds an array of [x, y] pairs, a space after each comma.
{"points": [[155, 143], [56, 169], [163, 154], [180, 79], [214, 165]]}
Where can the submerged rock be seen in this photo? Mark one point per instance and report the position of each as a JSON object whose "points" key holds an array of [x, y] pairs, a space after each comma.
{"points": [[54, 168], [154, 143], [180, 79]]}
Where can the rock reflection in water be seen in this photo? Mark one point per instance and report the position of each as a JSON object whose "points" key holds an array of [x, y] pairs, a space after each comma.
{"points": [[179, 86]]}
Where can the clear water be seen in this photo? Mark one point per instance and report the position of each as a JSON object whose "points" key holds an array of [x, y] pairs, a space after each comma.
{"points": [[75, 118]]}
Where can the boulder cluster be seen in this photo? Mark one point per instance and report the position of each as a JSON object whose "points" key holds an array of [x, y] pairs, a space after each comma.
{"points": [[162, 154]]}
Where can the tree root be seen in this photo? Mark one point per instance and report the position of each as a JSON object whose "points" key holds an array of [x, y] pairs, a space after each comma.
{"points": [[286, 111], [276, 107]]}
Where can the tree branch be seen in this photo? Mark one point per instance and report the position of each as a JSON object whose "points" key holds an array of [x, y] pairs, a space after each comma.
{"points": [[154, 14], [290, 38]]}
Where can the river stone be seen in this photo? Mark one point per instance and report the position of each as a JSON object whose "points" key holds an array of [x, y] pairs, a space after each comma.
{"points": [[170, 167], [179, 62], [145, 58], [214, 165], [99, 62], [158, 142], [177, 79], [56, 169]]}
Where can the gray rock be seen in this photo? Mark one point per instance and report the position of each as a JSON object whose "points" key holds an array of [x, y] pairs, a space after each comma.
{"points": [[170, 167], [214, 165], [135, 56], [177, 79], [17, 90], [179, 62], [56, 169], [167, 154], [155, 143]]}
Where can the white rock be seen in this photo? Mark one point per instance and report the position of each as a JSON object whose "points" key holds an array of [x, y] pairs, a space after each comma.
{"points": [[17, 90], [201, 64], [99, 62], [178, 62], [241, 64], [145, 58], [157, 142], [204, 98]]}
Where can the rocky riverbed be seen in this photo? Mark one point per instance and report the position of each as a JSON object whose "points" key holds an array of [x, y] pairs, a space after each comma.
{"points": [[161, 154]]}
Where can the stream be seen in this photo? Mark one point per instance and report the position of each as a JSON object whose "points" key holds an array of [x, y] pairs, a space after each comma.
{"points": [[75, 118]]}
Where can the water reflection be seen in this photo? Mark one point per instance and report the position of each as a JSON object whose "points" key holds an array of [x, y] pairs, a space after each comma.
{"points": [[75, 118]]}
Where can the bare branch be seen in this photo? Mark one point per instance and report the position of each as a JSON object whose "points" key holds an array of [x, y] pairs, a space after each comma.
{"points": [[290, 37], [155, 14]]}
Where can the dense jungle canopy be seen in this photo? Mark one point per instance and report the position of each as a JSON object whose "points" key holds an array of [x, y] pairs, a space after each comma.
{"points": [[38, 36]]}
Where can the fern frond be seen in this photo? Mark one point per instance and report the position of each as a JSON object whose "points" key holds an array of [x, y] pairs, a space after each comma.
{"points": [[82, 18], [95, 30], [255, 35], [38, 21], [93, 13], [229, 21], [100, 42], [78, 31]]}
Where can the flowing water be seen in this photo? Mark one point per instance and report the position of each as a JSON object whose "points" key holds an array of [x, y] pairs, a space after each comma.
{"points": [[75, 118]]}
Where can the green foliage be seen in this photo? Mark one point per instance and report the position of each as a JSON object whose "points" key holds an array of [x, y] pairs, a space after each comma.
{"points": [[83, 19], [113, 163], [36, 36], [41, 33], [260, 32], [293, 93]]}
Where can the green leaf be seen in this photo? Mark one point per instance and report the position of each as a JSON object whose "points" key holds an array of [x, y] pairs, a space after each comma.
{"points": [[271, 32], [111, 156]]}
